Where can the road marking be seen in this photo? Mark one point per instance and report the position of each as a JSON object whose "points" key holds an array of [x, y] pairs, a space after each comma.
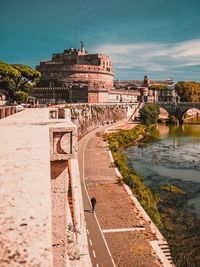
{"points": [[94, 254], [105, 240], [90, 242], [97, 265], [88, 232], [118, 230], [83, 177]]}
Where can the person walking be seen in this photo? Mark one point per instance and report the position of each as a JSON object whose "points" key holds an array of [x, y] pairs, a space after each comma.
{"points": [[93, 202]]}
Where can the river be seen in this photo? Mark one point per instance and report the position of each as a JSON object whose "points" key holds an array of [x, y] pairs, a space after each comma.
{"points": [[172, 156]]}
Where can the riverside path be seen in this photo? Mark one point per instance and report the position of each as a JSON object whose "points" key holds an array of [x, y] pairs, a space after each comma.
{"points": [[119, 233], [99, 252]]}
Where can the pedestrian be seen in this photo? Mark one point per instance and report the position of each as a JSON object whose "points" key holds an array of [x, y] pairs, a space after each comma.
{"points": [[93, 202]]}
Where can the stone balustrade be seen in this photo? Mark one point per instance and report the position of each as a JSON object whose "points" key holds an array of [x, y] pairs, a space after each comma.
{"points": [[7, 111]]}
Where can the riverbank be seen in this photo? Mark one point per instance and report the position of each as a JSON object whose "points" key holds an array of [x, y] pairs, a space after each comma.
{"points": [[121, 140], [128, 232], [173, 174]]}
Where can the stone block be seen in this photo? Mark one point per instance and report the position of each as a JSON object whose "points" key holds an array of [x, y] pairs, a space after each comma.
{"points": [[61, 113], [53, 113], [13, 110], [2, 113], [63, 143], [7, 111]]}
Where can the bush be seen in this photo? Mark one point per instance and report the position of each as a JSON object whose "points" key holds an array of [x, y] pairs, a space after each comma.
{"points": [[149, 113], [173, 189], [148, 199]]}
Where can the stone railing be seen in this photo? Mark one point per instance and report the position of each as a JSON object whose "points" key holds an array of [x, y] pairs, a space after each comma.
{"points": [[7, 111]]}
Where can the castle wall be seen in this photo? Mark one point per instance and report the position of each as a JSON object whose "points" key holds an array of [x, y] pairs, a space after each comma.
{"points": [[77, 67]]}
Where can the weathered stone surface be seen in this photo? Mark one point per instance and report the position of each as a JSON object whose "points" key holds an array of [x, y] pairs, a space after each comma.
{"points": [[25, 188], [87, 116], [77, 67], [63, 141]]}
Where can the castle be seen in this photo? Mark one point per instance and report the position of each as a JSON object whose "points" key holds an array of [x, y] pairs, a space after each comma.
{"points": [[75, 76]]}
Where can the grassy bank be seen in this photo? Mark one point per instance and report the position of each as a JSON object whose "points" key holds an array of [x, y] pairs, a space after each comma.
{"points": [[119, 141], [181, 226], [178, 224]]}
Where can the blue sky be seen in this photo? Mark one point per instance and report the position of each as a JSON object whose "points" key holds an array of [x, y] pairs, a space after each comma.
{"points": [[156, 37]]}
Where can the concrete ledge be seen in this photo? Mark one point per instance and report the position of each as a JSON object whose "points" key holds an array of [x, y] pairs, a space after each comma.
{"points": [[25, 191], [79, 217], [25, 204]]}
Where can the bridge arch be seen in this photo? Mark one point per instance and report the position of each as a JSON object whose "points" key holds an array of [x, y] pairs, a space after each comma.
{"points": [[195, 110], [178, 109], [164, 113], [170, 108]]}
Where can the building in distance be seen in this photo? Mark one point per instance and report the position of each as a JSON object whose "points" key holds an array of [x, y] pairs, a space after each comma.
{"points": [[75, 75], [78, 76]]}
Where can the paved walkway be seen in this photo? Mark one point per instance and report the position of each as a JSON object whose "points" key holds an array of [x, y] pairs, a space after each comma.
{"points": [[127, 233]]}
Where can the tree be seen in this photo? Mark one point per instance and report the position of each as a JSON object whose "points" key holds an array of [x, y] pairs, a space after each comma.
{"points": [[27, 74], [158, 87], [149, 113], [7, 71], [16, 77], [188, 91], [21, 96]]}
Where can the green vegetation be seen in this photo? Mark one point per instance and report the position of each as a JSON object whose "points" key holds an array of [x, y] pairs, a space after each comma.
{"points": [[166, 207], [158, 87], [15, 78], [149, 113], [188, 91], [148, 199], [21, 96], [181, 228], [173, 189]]}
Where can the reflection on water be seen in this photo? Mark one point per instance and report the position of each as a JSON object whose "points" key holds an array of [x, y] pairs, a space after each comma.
{"points": [[172, 156]]}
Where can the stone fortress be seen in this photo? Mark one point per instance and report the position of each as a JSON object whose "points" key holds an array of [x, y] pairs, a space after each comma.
{"points": [[75, 76]]}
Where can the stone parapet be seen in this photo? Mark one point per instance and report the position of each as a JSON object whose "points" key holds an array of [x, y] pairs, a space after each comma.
{"points": [[7, 111], [25, 203], [35, 204]]}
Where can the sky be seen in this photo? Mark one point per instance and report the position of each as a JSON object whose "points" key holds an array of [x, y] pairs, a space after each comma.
{"points": [[159, 38]]}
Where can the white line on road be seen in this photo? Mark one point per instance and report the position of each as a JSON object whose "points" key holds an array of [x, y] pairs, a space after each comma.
{"points": [[88, 232], [83, 177], [94, 254], [90, 242], [123, 230], [97, 265]]}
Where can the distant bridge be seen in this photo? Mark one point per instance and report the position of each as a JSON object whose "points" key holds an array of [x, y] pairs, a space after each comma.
{"points": [[178, 109]]}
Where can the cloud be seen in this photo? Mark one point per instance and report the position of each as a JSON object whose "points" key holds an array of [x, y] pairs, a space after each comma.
{"points": [[153, 57]]}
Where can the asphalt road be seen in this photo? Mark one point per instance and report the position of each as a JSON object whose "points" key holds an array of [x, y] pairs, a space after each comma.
{"points": [[99, 252]]}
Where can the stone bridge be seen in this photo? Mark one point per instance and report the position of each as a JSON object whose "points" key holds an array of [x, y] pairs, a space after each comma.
{"points": [[178, 109]]}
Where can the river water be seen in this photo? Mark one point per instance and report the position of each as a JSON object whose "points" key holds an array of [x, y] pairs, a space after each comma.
{"points": [[172, 156]]}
